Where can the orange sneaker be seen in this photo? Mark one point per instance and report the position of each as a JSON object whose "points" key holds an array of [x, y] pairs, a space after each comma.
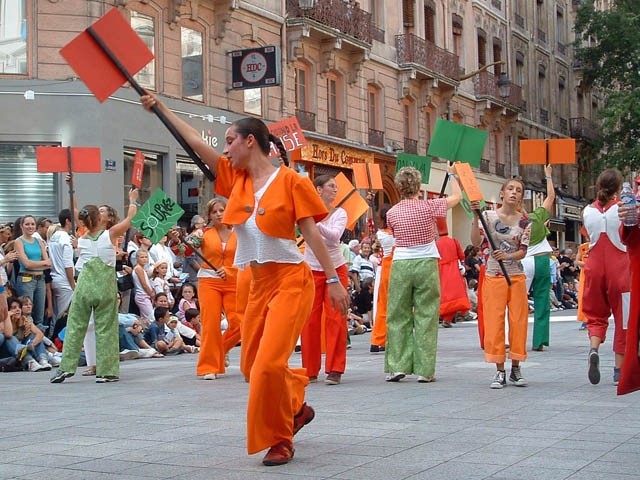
{"points": [[280, 454], [303, 417]]}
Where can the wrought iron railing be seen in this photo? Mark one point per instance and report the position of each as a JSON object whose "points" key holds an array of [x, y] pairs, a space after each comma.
{"points": [[486, 85], [416, 50], [562, 48], [544, 116], [337, 128], [500, 169], [519, 20], [484, 165], [411, 146], [376, 138], [542, 36], [564, 125], [584, 128], [307, 120], [377, 33], [347, 17]]}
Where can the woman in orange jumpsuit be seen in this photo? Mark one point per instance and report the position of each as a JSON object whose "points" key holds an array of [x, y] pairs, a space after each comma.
{"points": [[265, 203], [387, 242], [217, 292]]}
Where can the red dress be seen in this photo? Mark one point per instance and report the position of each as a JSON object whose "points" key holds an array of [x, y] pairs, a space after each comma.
{"points": [[453, 289]]}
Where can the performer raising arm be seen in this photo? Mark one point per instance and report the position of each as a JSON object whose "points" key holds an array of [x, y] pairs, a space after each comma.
{"points": [[264, 205]]}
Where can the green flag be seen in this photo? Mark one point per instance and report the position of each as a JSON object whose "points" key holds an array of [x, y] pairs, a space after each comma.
{"points": [[156, 217], [457, 143], [466, 205], [422, 164]]}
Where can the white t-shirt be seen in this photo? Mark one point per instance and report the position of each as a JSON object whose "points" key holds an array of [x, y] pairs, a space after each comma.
{"points": [[61, 255]]}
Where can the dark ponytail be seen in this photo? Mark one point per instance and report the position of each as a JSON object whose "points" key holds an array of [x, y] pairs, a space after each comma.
{"points": [[608, 185], [283, 152], [89, 216]]}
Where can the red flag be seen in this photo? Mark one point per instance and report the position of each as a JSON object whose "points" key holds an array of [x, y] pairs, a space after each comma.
{"points": [[93, 65], [138, 169], [55, 159]]}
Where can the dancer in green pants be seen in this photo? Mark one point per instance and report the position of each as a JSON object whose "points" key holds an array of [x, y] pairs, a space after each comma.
{"points": [[96, 292], [536, 266], [414, 285]]}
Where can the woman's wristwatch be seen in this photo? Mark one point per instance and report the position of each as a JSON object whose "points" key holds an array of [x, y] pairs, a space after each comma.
{"points": [[333, 280]]}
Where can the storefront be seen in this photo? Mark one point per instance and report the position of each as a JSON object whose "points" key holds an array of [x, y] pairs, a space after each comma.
{"points": [[66, 114], [570, 212]]}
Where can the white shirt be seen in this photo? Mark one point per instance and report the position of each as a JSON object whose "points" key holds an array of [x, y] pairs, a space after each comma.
{"points": [[61, 255], [161, 253], [331, 230], [101, 248], [255, 246]]}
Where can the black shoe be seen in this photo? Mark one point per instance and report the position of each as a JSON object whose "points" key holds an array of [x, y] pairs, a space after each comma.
{"points": [[298, 349], [376, 349], [594, 367], [107, 379], [60, 376], [446, 324]]}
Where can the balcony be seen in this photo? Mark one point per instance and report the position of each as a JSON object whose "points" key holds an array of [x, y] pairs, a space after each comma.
{"points": [[344, 17], [542, 36], [486, 86], [377, 33], [410, 146], [520, 21], [307, 120], [562, 49], [337, 128], [484, 165], [563, 125], [376, 138], [500, 170], [583, 128], [432, 60], [544, 116]]}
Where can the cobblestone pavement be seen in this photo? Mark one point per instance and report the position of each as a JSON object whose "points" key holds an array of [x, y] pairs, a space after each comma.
{"points": [[161, 422]]}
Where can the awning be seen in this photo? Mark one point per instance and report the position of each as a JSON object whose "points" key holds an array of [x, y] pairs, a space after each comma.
{"points": [[557, 225]]}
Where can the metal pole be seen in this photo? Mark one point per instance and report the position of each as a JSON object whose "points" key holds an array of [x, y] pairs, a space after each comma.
{"points": [[73, 213], [492, 243]]}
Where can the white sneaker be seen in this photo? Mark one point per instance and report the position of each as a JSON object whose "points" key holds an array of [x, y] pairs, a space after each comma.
{"points": [[34, 366], [54, 361], [395, 376], [44, 365], [128, 355]]}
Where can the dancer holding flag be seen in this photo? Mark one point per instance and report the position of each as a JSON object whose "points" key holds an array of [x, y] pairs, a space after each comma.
{"points": [[265, 203]]}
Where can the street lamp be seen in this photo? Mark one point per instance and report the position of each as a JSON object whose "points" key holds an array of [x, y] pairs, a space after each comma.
{"points": [[504, 86]]}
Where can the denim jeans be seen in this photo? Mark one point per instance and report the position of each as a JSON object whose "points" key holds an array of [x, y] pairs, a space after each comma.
{"points": [[37, 291], [11, 345], [38, 353]]}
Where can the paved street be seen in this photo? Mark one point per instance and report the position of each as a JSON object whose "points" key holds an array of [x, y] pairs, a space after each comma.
{"points": [[161, 422]]}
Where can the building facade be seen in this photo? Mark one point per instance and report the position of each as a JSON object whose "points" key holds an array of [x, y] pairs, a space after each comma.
{"points": [[366, 80]]}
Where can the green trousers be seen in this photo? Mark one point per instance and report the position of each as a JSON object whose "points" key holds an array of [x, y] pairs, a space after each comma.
{"points": [[96, 292], [540, 288], [412, 317]]}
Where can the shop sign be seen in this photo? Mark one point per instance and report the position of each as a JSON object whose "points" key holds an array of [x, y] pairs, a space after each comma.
{"points": [[571, 211], [336, 155]]}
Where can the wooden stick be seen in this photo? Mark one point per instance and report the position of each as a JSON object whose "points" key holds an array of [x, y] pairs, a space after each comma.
{"points": [[492, 243]]}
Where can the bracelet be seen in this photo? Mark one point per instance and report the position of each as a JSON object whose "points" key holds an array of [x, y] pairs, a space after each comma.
{"points": [[549, 178], [333, 280], [136, 204], [452, 175]]}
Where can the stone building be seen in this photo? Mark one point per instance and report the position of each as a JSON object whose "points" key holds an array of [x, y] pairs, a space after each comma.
{"points": [[367, 80]]}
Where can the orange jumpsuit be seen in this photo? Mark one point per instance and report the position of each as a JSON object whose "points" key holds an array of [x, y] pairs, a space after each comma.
{"points": [[583, 251], [379, 333], [216, 295], [280, 299]]}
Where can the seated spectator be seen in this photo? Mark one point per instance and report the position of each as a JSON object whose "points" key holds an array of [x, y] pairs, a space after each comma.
{"points": [[192, 321], [363, 303], [159, 284], [555, 304], [188, 300], [9, 345], [155, 334], [569, 297], [355, 324], [362, 264], [26, 333], [173, 335]]}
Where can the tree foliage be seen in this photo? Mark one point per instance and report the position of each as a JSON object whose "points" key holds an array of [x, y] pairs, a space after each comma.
{"points": [[608, 47]]}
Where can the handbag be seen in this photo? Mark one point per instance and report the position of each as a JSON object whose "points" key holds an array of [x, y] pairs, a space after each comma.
{"points": [[125, 282]]}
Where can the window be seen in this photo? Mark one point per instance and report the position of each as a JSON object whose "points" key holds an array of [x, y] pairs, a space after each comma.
{"points": [[22, 189], [560, 34], [192, 64], [144, 26], [520, 75], [333, 97], [428, 126], [193, 188], [456, 24], [253, 101], [151, 174], [302, 88], [497, 56], [408, 7], [430, 23], [13, 37], [482, 48], [373, 97], [409, 119]]}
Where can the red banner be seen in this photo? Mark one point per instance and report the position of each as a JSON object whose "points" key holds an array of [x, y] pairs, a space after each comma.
{"points": [[56, 159], [138, 169]]}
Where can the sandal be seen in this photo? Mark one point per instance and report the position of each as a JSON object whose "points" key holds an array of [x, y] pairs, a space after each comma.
{"points": [[89, 372], [157, 355]]}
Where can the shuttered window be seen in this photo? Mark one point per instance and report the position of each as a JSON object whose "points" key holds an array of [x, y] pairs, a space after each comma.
{"points": [[408, 12], [22, 189]]}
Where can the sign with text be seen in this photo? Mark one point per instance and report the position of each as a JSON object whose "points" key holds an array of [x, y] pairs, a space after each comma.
{"points": [[335, 155], [138, 169], [350, 200], [468, 181], [94, 66], [457, 143], [542, 151], [289, 133], [422, 164], [156, 217], [56, 159], [367, 176], [255, 67]]}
